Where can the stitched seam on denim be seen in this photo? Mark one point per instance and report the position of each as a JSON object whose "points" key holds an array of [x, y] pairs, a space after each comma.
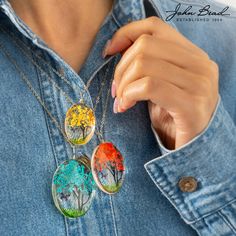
{"points": [[56, 113], [175, 196], [185, 152], [172, 201], [159, 185], [17, 41], [204, 226], [225, 219], [216, 122], [97, 138], [66, 224], [50, 138], [214, 211], [93, 75], [113, 216], [58, 56], [102, 220], [77, 223], [46, 120], [111, 203], [38, 66], [38, 75], [118, 23], [163, 149], [66, 153], [201, 140], [219, 120], [18, 23], [198, 227]]}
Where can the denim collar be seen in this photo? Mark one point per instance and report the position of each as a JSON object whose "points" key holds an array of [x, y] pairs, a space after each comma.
{"points": [[122, 12]]}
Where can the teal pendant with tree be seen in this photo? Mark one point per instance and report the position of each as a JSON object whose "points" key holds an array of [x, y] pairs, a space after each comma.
{"points": [[73, 187]]}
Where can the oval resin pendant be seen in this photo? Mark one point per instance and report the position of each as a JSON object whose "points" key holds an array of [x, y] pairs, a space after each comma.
{"points": [[73, 187], [79, 124], [108, 168]]}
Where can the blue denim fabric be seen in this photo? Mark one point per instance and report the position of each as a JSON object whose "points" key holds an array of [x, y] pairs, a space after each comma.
{"points": [[150, 202]]}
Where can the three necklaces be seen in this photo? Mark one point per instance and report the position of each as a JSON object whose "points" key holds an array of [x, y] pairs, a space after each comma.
{"points": [[74, 181]]}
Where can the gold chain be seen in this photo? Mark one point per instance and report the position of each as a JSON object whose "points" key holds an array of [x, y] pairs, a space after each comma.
{"points": [[25, 79], [98, 133], [11, 36]]}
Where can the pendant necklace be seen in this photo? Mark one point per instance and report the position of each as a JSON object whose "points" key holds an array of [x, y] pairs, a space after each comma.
{"points": [[74, 181], [107, 163]]}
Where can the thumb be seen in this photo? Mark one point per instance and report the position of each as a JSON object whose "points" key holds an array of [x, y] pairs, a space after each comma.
{"points": [[116, 45]]}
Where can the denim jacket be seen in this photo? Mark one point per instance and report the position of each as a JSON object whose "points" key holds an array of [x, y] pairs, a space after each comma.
{"points": [[150, 201]]}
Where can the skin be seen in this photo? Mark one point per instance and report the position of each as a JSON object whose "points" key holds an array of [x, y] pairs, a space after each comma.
{"points": [[66, 26], [177, 78], [158, 64]]}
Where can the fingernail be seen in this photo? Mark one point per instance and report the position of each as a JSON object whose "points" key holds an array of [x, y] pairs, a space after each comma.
{"points": [[120, 109], [105, 49], [113, 89], [115, 106]]}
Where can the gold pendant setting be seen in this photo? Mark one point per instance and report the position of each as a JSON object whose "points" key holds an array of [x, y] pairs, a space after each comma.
{"points": [[108, 167], [79, 124], [73, 187]]}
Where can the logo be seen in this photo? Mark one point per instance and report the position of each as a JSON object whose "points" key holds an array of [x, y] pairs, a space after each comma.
{"points": [[206, 12]]}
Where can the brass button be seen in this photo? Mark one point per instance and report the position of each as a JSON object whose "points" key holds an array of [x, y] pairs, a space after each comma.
{"points": [[187, 184]]}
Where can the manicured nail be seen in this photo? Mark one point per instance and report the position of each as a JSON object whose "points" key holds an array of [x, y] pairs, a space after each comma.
{"points": [[113, 89], [105, 49], [120, 109], [115, 106]]}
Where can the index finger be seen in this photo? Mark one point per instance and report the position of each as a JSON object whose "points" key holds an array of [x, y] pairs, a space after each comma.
{"points": [[126, 35]]}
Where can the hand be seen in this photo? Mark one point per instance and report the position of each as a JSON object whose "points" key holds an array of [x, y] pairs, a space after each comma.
{"points": [[177, 78]]}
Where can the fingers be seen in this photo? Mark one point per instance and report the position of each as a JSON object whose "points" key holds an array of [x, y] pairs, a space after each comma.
{"points": [[154, 26], [153, 89], [148, 46], [126, 35], [144, 66], [158, 64]]}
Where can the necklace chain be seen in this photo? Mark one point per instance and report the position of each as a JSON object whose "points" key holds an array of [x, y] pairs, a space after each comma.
{"points": [[25, 79], [86, 87], [101, 138], [98, 132], [47, 63]]}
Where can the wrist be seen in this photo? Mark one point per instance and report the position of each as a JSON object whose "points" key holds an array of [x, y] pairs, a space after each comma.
{"points": [[173, 137]]}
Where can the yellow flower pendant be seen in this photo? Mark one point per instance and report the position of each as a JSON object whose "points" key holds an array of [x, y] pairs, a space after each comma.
{"points": [[79, 124]]}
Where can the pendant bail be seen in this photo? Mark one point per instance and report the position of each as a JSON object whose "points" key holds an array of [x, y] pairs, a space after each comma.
{"points": [[81, 100]]}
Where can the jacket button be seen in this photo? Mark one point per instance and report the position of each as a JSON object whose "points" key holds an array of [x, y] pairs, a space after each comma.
{"points": [[187, 184]]}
